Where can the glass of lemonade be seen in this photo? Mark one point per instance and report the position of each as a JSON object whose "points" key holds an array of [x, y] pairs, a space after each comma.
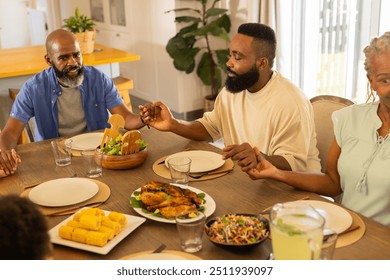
{"points": [[296, 231]]}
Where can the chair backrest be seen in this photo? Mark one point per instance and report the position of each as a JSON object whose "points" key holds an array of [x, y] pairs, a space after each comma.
{"points": [[323, 107], [27, 134]]}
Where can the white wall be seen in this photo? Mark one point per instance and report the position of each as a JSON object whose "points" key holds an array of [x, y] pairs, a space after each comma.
{"points": [[14, 30]]}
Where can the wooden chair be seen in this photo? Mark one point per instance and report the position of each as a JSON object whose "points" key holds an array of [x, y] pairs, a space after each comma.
{"points": [[323, 107], [27, 134], [123, 85]]}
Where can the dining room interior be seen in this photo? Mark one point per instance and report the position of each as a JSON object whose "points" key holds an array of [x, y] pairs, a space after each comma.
{"points": [[332, 65], [321, 52]]}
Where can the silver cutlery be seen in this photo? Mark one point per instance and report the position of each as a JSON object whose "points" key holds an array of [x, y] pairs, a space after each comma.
{"points": [[71, 209], [36, 184], [200, 175], [159, 249]]}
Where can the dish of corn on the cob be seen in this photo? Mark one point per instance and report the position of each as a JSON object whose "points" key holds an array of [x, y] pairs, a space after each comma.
{"points": [[91, 226], [79, 230]]}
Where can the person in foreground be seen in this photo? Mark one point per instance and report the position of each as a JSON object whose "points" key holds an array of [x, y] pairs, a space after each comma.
{"points": [[23, 230], [66, 99], [257, 107], [359, 158]]}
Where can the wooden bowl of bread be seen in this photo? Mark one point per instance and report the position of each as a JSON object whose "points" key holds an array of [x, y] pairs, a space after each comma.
{"points": [[117, 151]]}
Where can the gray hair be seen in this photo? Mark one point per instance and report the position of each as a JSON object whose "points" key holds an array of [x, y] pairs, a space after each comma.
{"points": [[377, 45]]}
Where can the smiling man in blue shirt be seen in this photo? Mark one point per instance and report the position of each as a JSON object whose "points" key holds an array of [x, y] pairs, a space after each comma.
{"points": [[66, 99]]}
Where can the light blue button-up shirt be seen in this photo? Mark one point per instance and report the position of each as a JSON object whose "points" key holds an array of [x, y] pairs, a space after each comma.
{"points": [[38, 98]]}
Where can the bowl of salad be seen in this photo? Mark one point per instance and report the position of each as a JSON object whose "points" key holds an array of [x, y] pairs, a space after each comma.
{"points": [[237, 231], [111, 156]]}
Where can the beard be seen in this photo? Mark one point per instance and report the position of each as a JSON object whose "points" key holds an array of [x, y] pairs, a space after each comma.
{"points": [[67, 80], [241, 82]]}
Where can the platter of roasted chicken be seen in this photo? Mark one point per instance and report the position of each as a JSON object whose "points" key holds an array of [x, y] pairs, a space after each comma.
{"points": [[162, 202]]}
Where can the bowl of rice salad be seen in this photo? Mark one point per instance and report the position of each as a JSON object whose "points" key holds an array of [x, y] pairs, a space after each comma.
{"points": [[237, 231]]}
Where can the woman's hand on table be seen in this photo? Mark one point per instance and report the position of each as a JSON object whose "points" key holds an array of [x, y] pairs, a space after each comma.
{"points": [[243, 154], [264, 169]]}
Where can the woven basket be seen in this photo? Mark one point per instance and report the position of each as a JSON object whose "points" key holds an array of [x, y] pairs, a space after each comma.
{"points": [[86, 41], [208, 104]]}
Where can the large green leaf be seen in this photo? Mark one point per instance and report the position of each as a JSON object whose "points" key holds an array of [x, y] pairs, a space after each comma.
{"points": [[224, 22], [187, 19], [183, 10], [214, 12], [222, 57], [179, 42], [218, 28], [184, 60], [205, 67]]}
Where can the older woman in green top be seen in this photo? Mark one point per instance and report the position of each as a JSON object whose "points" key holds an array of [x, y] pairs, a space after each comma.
{"points": [[358, 164]]}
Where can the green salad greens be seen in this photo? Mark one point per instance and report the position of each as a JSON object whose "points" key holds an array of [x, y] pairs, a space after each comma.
{"points": [[114, 146]]}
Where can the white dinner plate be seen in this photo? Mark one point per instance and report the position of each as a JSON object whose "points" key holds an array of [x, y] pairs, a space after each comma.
{"points": [[209, 206], [63, 192], [132, 223], [201, 161], [335, 216], [87, 141]]}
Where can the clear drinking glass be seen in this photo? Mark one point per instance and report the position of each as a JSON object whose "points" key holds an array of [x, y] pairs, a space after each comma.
{"points": [[179, 167], [93, 163], [296, 231], [190, 227], [328, 244], [62, 151]]}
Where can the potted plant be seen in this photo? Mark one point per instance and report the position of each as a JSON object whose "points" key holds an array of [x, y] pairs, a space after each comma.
{"points": [[194, 40], [83, 28]]}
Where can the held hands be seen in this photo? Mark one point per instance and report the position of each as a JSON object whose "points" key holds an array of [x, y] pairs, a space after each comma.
{"points": [[243, 154], [157, 115], [264, 168], [9, 161]]}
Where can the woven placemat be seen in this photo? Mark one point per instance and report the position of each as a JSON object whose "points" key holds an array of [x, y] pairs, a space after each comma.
{"points": [[166, 254], [353, 233], [75, 153], [102, 195], [161, 170]]}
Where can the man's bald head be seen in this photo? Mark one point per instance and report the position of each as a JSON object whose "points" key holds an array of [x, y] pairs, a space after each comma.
{"points": [[58, 38], [63, 54]]}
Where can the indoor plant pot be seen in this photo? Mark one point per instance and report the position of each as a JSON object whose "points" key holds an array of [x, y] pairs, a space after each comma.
{"points": [[83, 28], [195, 39]]}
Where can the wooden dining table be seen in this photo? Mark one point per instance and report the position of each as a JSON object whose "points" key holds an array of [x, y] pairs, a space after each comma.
{"points": [[234, 192]]}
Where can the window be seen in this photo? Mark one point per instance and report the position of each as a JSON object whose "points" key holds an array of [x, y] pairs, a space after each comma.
{"points": [[321, 43]]}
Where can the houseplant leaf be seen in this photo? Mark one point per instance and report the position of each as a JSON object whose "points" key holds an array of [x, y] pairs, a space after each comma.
{"points": [[209, 73], [185, 60], [78, 23], [83, 28], [196, 39]]}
